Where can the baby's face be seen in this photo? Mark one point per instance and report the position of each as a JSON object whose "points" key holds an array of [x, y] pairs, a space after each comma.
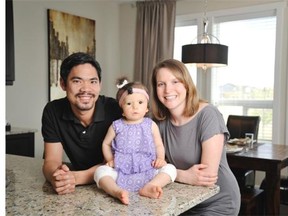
{"points": [[135, 106]]}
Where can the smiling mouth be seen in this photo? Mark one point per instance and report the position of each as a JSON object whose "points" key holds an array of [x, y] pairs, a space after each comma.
{"points": [[85, 95], [170, 97], [85, 98]]}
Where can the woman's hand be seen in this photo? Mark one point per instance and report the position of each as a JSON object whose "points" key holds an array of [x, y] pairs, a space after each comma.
{"points": [[159, 163], [197, 175]]}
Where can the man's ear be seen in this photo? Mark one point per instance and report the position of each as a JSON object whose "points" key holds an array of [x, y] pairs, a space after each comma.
{"points": [[62, 84]]}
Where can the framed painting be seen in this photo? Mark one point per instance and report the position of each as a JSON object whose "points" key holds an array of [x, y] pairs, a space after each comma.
{"points": [[67, 34]]}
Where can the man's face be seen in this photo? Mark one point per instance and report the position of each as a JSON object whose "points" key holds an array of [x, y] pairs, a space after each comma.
{"points": [[82, 87]]}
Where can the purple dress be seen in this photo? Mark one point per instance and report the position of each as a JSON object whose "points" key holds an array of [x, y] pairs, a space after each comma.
{"points": [[134, 150]]}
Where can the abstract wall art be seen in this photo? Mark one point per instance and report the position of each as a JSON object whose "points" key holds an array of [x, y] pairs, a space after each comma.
{"points": [[67, 34]]}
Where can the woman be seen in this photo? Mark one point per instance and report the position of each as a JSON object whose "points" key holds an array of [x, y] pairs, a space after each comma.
{"points": [[194, 134]]}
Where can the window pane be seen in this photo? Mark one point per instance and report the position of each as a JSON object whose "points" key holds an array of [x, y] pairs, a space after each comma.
{"points": [[246, 85], [184, 35]]}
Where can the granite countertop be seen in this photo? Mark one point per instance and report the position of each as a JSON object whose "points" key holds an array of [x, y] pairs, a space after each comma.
{"points": [[18, 130], [27, 193]]}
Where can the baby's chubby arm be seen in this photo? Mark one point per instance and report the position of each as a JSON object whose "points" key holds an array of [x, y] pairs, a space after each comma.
{"points": [[160, 151], [107, 147]]}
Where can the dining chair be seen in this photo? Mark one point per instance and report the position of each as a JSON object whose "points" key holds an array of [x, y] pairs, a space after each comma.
{"points": [[283, 189], [237, 126], [251, 198]]}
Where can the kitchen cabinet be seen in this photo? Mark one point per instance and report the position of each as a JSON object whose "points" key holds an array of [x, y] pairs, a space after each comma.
{"points": [[20, 141]]}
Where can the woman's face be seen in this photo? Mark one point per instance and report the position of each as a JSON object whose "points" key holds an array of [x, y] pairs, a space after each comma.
{"points": [[170, 91]]}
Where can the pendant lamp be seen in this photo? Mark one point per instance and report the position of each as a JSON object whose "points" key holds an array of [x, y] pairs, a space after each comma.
{"points": [[205, 54]]}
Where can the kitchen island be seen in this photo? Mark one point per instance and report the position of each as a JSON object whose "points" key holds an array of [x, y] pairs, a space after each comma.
{"points": [[27, 193]]}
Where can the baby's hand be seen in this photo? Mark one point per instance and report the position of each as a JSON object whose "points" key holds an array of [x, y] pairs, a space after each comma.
{"points": [[110, 163], [158, 163]]}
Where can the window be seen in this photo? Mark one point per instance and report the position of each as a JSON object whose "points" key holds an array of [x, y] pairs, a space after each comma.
{"points": [[184, 35], [237, 88], [246, 86]]}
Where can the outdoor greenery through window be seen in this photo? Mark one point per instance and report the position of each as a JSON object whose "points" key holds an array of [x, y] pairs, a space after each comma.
{"points": [[246, 85]]}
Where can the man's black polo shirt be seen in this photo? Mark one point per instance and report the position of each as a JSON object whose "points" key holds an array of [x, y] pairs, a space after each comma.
{"points": [[83, 145]]}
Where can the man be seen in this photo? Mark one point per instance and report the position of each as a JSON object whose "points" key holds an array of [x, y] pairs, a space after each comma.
{"points": [[76, 124]]}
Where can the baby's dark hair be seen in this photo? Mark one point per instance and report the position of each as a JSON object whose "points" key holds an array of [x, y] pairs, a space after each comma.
{"points": [[124, 85]]}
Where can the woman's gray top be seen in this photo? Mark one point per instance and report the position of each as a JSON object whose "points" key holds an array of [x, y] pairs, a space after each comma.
{"points": [[183, 148]]}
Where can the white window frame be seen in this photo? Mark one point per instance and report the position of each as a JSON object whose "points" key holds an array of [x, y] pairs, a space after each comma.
{"points": [[280, 103]]}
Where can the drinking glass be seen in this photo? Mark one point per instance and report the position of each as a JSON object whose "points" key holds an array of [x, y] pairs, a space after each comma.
{"points": [[250, 140]]}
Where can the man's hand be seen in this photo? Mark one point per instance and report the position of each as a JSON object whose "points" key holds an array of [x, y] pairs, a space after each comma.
{"points": [[63, 180]]}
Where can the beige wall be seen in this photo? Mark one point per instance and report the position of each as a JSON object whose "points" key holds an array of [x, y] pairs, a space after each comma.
{"points": [[115, 44], [29, 94]]}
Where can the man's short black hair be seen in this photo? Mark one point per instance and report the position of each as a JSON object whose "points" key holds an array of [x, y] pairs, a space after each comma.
{"points": [[75, 59]]}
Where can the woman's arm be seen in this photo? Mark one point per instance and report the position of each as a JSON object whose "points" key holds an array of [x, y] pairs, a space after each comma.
{"points": [[206, 173], [211, 153]]}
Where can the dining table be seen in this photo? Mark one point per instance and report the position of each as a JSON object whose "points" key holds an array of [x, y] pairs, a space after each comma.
{"points": [[28, 193], [269, 158]]}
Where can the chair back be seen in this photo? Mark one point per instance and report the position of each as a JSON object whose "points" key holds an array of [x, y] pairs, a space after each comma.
{"points": [[239, 125]]}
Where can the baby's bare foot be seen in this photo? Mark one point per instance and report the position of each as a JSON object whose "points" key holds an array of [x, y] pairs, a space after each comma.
{"points": [[151, 191], [123, 196]]}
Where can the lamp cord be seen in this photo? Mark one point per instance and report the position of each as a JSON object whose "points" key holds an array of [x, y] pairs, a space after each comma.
{"points": [[205, 9]]}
